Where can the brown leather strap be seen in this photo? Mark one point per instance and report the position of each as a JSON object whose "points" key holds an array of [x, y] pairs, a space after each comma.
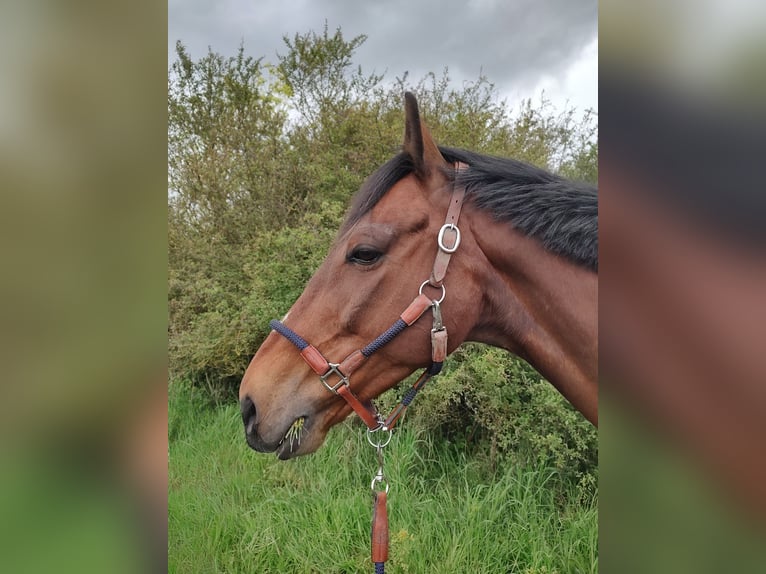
{"points": [[450, 235], [370, 418], [380, 528], [352, 362], [320, 366], [418, 306], [315, 360], [439, 345]]}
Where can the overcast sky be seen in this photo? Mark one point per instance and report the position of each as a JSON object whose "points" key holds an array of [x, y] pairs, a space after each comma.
{"points": [[522, 46]]}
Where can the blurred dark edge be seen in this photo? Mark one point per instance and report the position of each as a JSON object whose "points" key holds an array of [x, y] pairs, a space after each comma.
{"points": [[83, 485], [708, 153], [682, 297]]}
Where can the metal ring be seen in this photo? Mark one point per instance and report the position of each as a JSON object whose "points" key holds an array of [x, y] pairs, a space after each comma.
{"points": [[378, 479], [427, 282], [379, 444], [440, 239]]}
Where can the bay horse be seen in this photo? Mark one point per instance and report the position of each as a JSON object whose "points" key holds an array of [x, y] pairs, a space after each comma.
{"points": [[522, 250]]}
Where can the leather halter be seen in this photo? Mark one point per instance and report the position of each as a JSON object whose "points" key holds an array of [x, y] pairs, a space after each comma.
{"points": [[448, 242]]}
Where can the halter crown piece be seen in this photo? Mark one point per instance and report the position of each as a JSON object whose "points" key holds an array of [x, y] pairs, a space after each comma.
{"points": [[336, 376]]}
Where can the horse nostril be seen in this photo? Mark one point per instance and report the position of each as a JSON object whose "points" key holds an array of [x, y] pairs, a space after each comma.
{"points": [[247, 408]]}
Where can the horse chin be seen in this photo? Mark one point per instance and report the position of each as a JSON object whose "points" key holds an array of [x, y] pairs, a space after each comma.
{"points": [[285, 451]]}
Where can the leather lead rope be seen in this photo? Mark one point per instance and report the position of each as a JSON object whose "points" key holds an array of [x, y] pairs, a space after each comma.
{"points": [[380, 538]]}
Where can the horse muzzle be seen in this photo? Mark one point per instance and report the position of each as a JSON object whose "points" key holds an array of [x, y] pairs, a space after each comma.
{"points": [[292, 442]]}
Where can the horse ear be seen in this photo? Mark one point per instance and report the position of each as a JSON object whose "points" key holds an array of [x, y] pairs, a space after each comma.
{"points": [[418, 143]]}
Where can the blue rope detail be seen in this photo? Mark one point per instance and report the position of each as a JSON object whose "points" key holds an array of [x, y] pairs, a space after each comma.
{"points": [[385, 338], [435, 369], [380, 568], [409, 396], [288, 334]]}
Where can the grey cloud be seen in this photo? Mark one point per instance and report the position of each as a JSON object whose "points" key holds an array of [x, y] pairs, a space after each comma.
{"points": [[513, 42]]}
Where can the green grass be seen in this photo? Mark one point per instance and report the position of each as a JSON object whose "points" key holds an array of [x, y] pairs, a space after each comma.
{"points": [[233, 510]]}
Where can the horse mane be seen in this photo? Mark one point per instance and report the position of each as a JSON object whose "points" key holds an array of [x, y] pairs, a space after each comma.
{"points": [[562, 214]]}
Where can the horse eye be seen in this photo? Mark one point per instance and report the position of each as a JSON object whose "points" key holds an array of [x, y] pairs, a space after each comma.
{"points": [[364, 255]]}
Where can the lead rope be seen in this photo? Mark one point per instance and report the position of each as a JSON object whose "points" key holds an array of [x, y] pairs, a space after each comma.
{"points": [[379, 531], [379, 486]]}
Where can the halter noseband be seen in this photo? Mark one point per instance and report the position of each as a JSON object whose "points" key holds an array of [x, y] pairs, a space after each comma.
{"points": [[420, 304]]}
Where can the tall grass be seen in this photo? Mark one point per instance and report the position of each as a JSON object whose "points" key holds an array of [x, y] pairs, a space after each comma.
{"points": [[232, 510]]}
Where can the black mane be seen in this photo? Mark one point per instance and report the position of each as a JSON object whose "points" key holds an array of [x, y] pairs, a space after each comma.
{"points": [[562, 214]]}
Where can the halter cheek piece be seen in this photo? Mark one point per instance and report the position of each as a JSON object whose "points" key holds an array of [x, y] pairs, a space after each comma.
{"points": [[335, 376]]}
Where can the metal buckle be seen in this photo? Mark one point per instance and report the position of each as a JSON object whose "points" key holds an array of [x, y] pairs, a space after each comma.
{"points": [[334, 370], [440, 239], [438, 324]]}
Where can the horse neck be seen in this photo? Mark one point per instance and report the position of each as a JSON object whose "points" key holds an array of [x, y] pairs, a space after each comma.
{"points": [[541, 307]]}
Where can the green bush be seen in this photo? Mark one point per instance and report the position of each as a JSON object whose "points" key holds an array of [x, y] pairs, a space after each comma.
{"points": [[230, 305], [496, 405]]}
